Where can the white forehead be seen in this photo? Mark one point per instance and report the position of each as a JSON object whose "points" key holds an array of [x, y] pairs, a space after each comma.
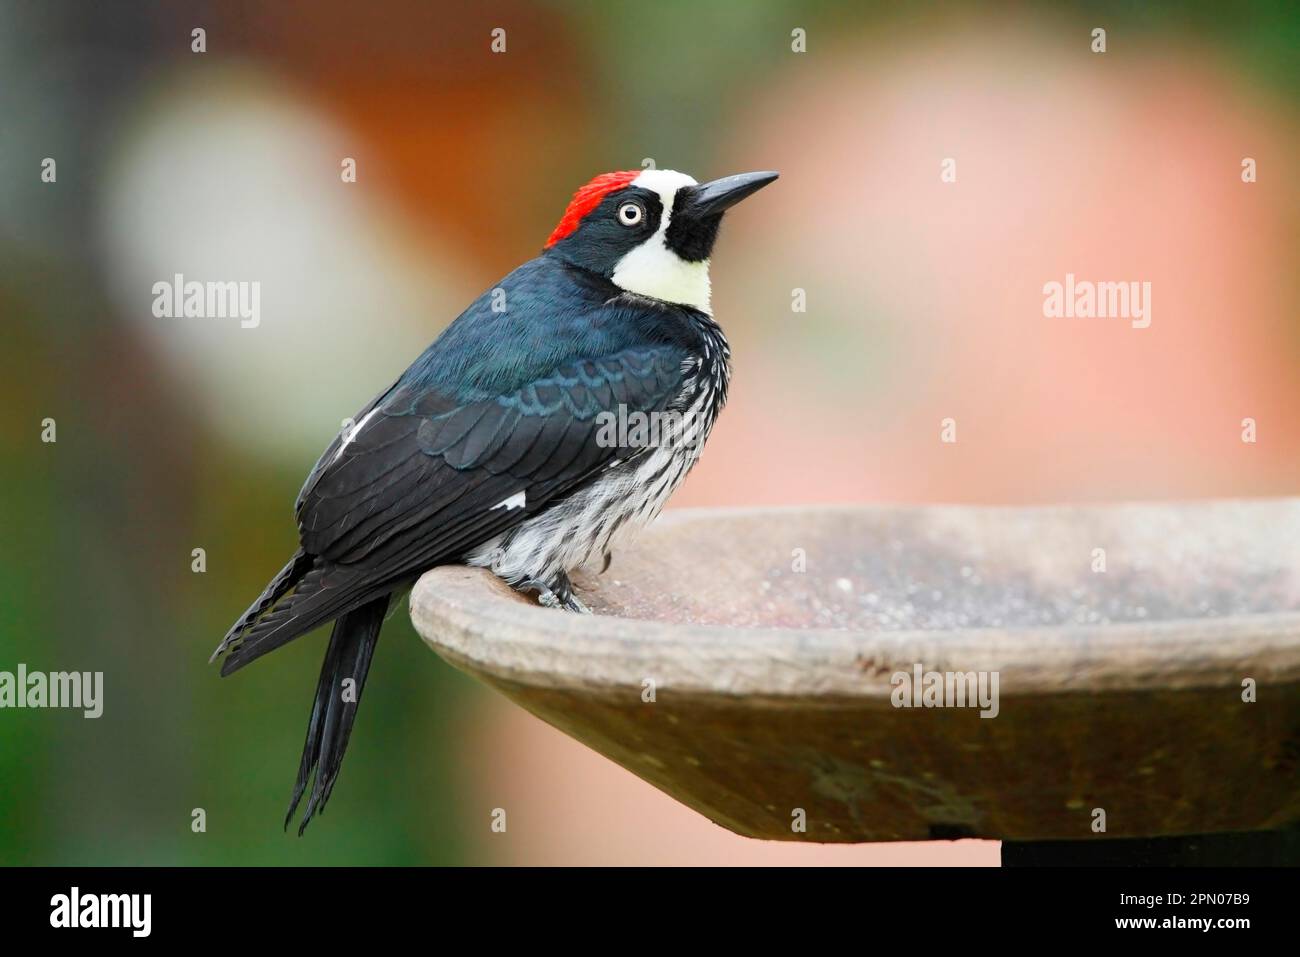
{"points": [[665, 182]]}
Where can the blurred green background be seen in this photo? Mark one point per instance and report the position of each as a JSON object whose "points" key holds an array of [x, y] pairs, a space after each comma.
{"points": [[178, 434]]}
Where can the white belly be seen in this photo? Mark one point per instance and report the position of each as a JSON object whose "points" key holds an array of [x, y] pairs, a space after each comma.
{"points": [[588, 525]]}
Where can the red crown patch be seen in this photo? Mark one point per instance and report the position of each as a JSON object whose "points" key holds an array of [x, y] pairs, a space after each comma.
{"points": [[588, 198]]}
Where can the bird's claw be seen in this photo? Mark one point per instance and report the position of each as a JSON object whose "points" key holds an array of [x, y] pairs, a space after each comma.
{"points": [[574, 605], [558, 596]]}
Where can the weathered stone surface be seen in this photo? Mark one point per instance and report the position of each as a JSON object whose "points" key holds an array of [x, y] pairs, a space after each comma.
{"points": [[1119, 690]]}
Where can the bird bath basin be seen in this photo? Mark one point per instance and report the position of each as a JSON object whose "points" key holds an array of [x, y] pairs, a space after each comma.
{"points": [[744, 662]]}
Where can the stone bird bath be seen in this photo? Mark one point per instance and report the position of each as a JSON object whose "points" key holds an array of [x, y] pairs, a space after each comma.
{"points": [[1119, 690]]}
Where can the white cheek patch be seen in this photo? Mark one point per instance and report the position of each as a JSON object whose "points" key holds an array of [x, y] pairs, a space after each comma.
{"points": [[652, 269]]}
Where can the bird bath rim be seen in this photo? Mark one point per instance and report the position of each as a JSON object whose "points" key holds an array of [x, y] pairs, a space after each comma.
{"points": [[480, 624]]}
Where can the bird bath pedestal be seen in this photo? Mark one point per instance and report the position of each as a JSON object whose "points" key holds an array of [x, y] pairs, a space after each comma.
{"points": [[1140, 666]]}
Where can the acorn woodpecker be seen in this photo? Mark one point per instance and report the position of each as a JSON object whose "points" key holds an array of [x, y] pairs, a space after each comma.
{"points": [[494, 447]]}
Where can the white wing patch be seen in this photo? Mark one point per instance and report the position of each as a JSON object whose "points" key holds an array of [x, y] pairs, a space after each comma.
{"points": [[518, 500]]}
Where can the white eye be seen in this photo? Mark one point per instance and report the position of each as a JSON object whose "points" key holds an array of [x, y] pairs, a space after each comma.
{"points": [[629, 214]]}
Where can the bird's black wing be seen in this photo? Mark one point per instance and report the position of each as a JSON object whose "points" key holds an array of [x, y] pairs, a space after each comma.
{"points": [[426, 471], [424, 479]]}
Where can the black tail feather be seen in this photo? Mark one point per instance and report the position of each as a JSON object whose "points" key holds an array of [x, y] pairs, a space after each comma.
{"points": [[351, 647]]}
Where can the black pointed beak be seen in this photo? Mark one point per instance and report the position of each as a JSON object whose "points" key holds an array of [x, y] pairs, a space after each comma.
{"points": [[711, 199]]}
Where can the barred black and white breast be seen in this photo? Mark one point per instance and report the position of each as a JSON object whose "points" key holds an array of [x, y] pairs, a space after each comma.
{"points": [[629, 493]]}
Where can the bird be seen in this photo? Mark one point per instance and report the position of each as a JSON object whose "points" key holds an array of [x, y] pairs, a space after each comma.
{"points": [[499, 447]]}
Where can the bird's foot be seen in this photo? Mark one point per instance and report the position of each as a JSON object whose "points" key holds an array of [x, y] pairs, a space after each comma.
{"points": [[557, 594], [545, 596], [573, 604]]}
